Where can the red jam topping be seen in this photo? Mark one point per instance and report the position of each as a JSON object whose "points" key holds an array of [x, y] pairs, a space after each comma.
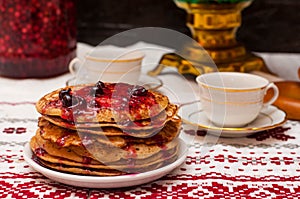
{"points": [[121, 98], [62, 140], [86, 160], [39, 152], [131, 155], [67, 114], [131, 151]]}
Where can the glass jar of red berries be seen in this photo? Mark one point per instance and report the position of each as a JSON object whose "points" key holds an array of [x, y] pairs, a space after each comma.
{"points": [[37, 37]]}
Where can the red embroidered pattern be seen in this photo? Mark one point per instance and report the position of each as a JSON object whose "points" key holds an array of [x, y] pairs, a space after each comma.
{"points": [[264, 165], [33, 185], [210, 185], [11, 130]]}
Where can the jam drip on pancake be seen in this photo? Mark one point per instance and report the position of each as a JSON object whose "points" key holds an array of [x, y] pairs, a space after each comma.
{"points": [[62, 140], [123, 99], [39, 152]]}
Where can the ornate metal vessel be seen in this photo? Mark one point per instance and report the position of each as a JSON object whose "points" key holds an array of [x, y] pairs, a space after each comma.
{"points": [[213, 24]]}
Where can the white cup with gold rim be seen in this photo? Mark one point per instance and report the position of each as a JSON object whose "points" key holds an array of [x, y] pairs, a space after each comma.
{"points": [[233, 99], [108, 65]]}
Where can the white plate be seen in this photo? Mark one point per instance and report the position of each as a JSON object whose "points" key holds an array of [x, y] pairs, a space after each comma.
{"points": [[106, 182], [268, 118]]}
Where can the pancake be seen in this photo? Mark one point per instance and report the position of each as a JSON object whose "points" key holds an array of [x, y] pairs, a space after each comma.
{"points": [[80, 170], [101, 172], [105, 129], [90, 167], [141, 128], [115, 103], [98, 151], [106, 135], [110, 154], [130, 163], [36, 145]]}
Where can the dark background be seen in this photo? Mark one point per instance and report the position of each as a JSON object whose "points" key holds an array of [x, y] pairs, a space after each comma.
{"points": [[268, 25]]}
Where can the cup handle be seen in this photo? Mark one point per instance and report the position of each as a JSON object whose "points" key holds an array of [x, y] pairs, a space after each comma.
{"points": [[275, 96], [72, 68]]}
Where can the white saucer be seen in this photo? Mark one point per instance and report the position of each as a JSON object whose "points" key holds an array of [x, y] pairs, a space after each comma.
{"points": [[106, 182], [268, 118], [147, 81]]}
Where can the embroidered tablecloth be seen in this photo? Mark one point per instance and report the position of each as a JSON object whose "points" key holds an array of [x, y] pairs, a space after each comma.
{"points": [[264, 165]]}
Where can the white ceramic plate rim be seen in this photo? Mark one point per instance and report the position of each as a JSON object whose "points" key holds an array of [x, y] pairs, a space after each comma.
{"points": [[102, 182]]}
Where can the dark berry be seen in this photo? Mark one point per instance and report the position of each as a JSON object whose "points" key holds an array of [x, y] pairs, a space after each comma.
{"points": [[96, 91], [99, 91], [74, 101], [62, 93], [100, 84], [67, 100], [139, 91]]}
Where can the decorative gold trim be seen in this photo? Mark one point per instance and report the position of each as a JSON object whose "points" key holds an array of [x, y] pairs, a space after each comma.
{"points": [[193, 7], [231, 103], [212, 21], [115, 73], [232, 90], [114, 60], [135, 68]]}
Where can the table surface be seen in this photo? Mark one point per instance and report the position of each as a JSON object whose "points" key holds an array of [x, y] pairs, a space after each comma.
{"points": [[265, 165]]}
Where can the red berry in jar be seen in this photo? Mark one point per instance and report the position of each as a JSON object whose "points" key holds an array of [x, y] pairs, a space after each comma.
{"points": [[37, 37]]}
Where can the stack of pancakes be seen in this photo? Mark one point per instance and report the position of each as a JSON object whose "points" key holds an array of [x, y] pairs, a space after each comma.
{"points": [[106, 129]]}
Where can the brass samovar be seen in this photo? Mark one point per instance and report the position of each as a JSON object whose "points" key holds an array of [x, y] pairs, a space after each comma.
{"points": [[213, 24]]}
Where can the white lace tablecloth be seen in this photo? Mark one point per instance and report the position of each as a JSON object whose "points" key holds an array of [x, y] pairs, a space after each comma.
{"points": [[265, 165]]}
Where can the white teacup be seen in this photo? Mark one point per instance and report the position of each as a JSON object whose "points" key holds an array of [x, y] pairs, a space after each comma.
{"points": [[108, 65], [233, 99]]}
